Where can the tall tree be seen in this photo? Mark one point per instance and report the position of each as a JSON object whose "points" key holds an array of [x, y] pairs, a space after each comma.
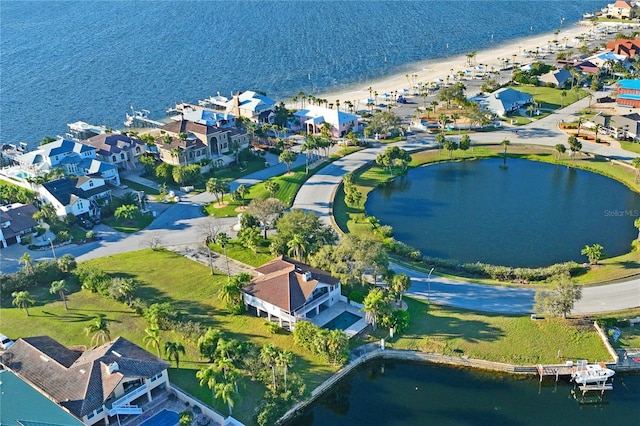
{"points": [[99, 330], [287, 157], [60, 287], [298, 245], [67, 263], [273, 187], [269, 354], [560, 149], [593, 252], [152, 338], [284, 360], [636, 164], [374, 305], [266, 211], [223, 240], [209, 376], [27, 264], [22, 299], [561, 299], [400, 283], [173, 350], [226, 393]]}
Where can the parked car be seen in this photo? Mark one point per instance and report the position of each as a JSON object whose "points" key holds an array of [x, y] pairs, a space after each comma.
{"points": [[5, 342]]}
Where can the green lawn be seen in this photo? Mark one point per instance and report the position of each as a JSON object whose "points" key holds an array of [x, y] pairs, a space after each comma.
{"points": [[499, 338], [190, 288], [166, 277], [630, 146], [130, 226], [549, 97]]}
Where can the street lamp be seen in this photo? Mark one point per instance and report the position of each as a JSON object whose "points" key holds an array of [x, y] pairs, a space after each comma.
{"points": [[429, 286], [52, 250]]}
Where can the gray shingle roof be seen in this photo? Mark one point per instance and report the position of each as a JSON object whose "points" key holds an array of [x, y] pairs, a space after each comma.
{"points": [[79, 381]]}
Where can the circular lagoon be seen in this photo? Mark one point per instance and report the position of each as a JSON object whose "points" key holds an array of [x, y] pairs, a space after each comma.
{"points": [[522, 213], [400, 393]]}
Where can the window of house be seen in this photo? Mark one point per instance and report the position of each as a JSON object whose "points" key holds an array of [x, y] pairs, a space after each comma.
{"points": [[90, 416], [99, 410], [113, 158], [191, 154], [122, 156]]}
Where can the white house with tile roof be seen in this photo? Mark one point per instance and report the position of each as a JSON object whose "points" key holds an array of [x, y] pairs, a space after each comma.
{"points": [[315, 118], [252, 105], [116, 149], [287, 291]]}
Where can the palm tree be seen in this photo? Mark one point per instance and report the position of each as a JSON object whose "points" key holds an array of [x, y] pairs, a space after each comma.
{"points": [[373, 305], [67, 263], [152, 338], [268, 355], [208, 375], [99, 330], [505, 143], [636, 163], [27, 263], [285, 361], [175, 153], [223, 239], [273, 187], [400, 283], [173, 350], [561, 149], [298, 244], [226, 393], [60, 287], [563, 95], [22, 299]]}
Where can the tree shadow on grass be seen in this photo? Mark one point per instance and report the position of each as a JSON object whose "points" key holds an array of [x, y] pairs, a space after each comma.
{"points": [[423, 323]]}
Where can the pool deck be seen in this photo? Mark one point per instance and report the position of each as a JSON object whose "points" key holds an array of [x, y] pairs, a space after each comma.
{"points": [[327, 315]]}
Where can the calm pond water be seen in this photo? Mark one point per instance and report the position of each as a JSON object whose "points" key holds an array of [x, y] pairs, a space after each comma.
{"points": [[525, 214], [399, 393]]}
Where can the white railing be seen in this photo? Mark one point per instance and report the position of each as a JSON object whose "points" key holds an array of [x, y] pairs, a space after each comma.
{"points": [[126, 398], [125, 409]]}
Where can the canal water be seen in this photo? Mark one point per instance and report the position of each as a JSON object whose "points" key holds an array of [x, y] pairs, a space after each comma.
{"points": [[524, 214], [401, 393]]}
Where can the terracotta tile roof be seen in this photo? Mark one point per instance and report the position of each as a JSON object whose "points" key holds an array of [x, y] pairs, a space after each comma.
{"points": [[79, 381], [287, 283]]}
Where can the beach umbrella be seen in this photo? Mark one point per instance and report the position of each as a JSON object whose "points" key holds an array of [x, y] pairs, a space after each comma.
{"points": [[404, 90], [386, 95]]}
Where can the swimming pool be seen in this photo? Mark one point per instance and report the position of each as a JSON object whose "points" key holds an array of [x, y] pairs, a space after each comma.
{"points": [[163, 418], [342, 321], [22, 175]]}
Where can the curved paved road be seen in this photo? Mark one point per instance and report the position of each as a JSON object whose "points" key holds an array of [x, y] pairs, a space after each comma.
{"points": [[317, 195]]}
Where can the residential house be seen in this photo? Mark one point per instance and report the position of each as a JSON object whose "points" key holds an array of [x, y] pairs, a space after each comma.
{"points": [[622, 9], [624, 46], [288, 291], [116, 149], [606, 60], [628, 93], [314, 119], [95, 385], [79, 196], [77, 159], [24, 405], [558, 78], [625, 126], [504, 101], [16, 220], [199, 142], [254, 106]]}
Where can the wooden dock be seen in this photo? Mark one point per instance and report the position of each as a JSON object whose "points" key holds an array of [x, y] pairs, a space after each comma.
{"points": [[601, 387], [554, 370]]}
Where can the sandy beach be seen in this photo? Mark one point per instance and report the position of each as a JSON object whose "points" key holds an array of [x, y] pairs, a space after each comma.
{"points": [[431, 70]]}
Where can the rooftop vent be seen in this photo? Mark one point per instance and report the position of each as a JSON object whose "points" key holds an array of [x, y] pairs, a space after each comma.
{"points": [[307, 276], [44, 358], [113, 367], [116, 354]]}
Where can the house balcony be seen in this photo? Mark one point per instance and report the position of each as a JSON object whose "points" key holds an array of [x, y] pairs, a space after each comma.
{"points": [[311, 304], [122, 405]]}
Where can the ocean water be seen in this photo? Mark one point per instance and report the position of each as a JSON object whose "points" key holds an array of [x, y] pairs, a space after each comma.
{"points": [[63, 61]]}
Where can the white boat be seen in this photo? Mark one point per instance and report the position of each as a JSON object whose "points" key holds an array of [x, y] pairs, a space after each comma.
{"points": [[586, 374]]}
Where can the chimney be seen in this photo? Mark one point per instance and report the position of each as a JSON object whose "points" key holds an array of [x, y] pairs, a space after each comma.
{"points": [[307, 276]]}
